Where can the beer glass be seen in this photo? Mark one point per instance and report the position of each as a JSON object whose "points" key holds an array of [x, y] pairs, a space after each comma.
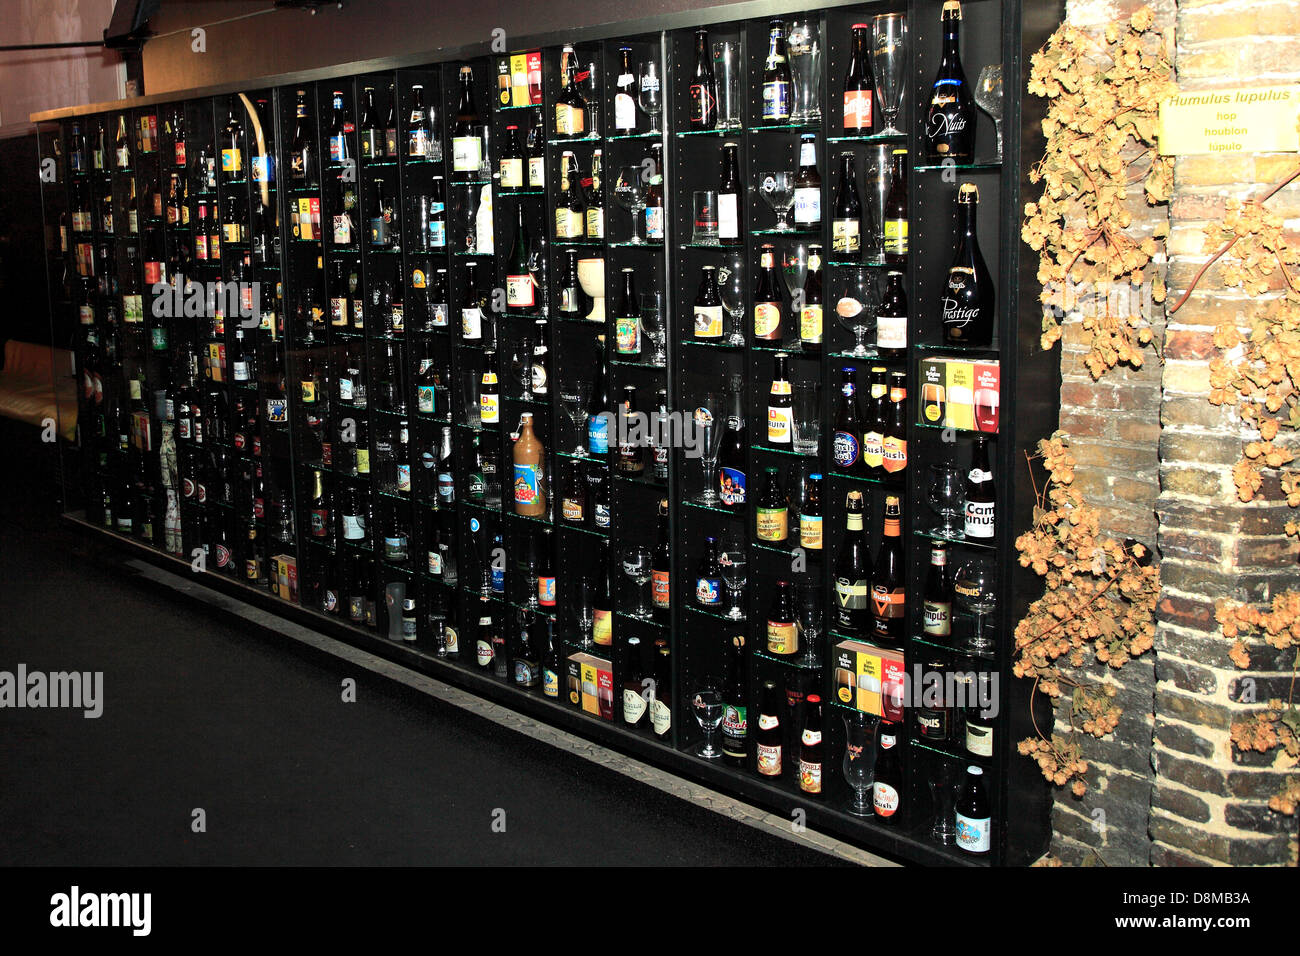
{"points": [[637, 565], [629, 192], [733, 559], [649, 95], [877, 190], [975, 586], [652, 325], [947, 498], [805, 47], [777, 188], [731, 288], [888, 59], [710, 422], [708, 708], [810, 622], [573, 402], [942, 779], [794, 267], [727, 70], [469, 380], [854, 294], [860, 760], [705, 231], [807, 418], [988, 97]]}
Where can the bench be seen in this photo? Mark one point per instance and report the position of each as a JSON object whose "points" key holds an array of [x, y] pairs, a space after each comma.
{"points": [[30, 392]]}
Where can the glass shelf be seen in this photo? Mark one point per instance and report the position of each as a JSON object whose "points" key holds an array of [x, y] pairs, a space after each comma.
{"points": [[682, 134], [784, 127], [626, 363], [716, 509], [716, 615], [962, 167], [578, 242], [567, 140], [863, 479], [707, 344], [873, 263], [574, 456], [789, 233], [583, 529], [959, 431], [623, 136], [535, 519], [950, 646], [736, 247], [784, 451], [794, 660], [651, 622], [982, 351], [868, 138], [509, 193], [627, 244]]}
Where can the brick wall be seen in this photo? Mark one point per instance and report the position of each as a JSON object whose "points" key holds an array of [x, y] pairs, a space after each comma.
{"points": [[1155, 456]]}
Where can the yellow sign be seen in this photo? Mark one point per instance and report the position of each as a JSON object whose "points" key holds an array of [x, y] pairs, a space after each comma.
{"points": [[1250, 119]]}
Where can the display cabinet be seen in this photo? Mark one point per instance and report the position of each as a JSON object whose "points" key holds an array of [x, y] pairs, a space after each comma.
{"points": [[344, 340]]}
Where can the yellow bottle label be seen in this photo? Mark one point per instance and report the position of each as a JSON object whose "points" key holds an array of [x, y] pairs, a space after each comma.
{"points": [[773, 524]]}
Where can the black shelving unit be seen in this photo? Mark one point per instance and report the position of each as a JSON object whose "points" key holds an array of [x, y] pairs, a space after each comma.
{"points": [[258, 475]]}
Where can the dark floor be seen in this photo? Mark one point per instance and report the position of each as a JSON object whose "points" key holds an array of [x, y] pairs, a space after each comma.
{"points": [[201, 714]]}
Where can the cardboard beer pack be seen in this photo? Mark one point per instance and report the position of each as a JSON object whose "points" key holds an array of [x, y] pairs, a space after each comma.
{"points": [[595, 684], [933, 406], [870, 679], [959, 385]]}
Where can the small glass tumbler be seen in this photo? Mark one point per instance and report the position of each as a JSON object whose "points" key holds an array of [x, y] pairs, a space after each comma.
{"points": [[705, 232]]}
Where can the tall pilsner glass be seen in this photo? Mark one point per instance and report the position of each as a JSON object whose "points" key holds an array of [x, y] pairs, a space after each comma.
{"points": [[805, 68], [887, 62]]}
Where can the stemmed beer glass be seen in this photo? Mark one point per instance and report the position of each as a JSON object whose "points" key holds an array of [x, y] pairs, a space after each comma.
{"points": [[888, 59]]}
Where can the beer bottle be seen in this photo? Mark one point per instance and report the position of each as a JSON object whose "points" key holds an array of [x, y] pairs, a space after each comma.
{"points": [[539, 384], [489, 396], [889, 578], [853, 574], [529, 459], [846, 226], [895, 211], [767, 298], [887, 790], [807, 185], [631, 457], [570, 217], [769, 738], [780, 404], [526, 661], [891, 319], [729, 196], [546, 571], [735, 714], [778, 86], [471, 310], [708, 306], [484, 640], [773, 510], [980, 498], [782, 626], [466, 132], [895, 431], [661, 706], [934, 711], [731, 459], [573, 506], [625, 97], [302, 151], [602, 601], [811, 319], [859, 86], [372, 142], [661, 568], [703, 92], [535, 152], [846, 447], [550, 663], [570, 291], [877, 417], [391, 146], [598, 408], [654, 196], [634, 703], [810, 747], [521, 293], [950, 121], [973, 816], [627, 319], [978, 716], [339, 128], [937, 599], [969, 302], [708, 576], [601, 515], [570, 107], [595, 216], [232, 148], [511, 163], [811, 534]]}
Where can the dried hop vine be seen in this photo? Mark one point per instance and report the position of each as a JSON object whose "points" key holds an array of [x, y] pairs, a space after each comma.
{"points": [[1098, 607], [1104, 92]]}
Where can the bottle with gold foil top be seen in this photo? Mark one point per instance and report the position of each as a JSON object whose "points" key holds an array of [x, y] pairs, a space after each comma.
{"points": [[811, 317], [767, 298], [950, 121], [874, 421], [772, 509], [894, 446], [782, 629], [888, 578]]}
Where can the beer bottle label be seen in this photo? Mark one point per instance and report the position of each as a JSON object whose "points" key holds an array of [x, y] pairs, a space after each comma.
{"points": [[780, 424], [767, 320], [483, 652], [512, 173], [776, 100], [973, 834], [634, 706], [435, 563], [602, 630], [654, 229], [466, 154], [884, 797], [810, 776], [354, 528], [891, 331], [232, 160], [845, 236], [769, 760], [886, 604], [452, 639], [808, 205], [732, 486], [979, 740], [527, 484], [782, 637], [536, 171], [550, 683], [627, 335], [519, 292], [773, 524], [810, 324], [571, 510], [708, 321], [857, 109], [424, 395], [810, 531], [546, 591], [595, 222], [938, 618], [896, 237], [895, 454], [320, 519], [660, 588], [708, 590], [661, 717], [598, 434], [846, 450], [728, 216], [363, 461], [404, 476], [852, 595], [735, 729]]}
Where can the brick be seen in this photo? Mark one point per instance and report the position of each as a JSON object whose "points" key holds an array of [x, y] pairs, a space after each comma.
{"points": [[1257, 818], [1181, 344], [1143, 431], [1180, 803], [1084, 424], [1212, 651], [1110, 456], [1187, 612], [1266, 552], [1210, 170], [1183, 739], [1187, 480], [1269, 851], [1253, 784], [1260, 687], [1253, 759], [1186, 676], [1137, 492], [1196, 412], [1193, 546], [1193, 710], [1169, 856], [1202, 308], [1211, 449], [1190, 837], [1193, 378]]}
